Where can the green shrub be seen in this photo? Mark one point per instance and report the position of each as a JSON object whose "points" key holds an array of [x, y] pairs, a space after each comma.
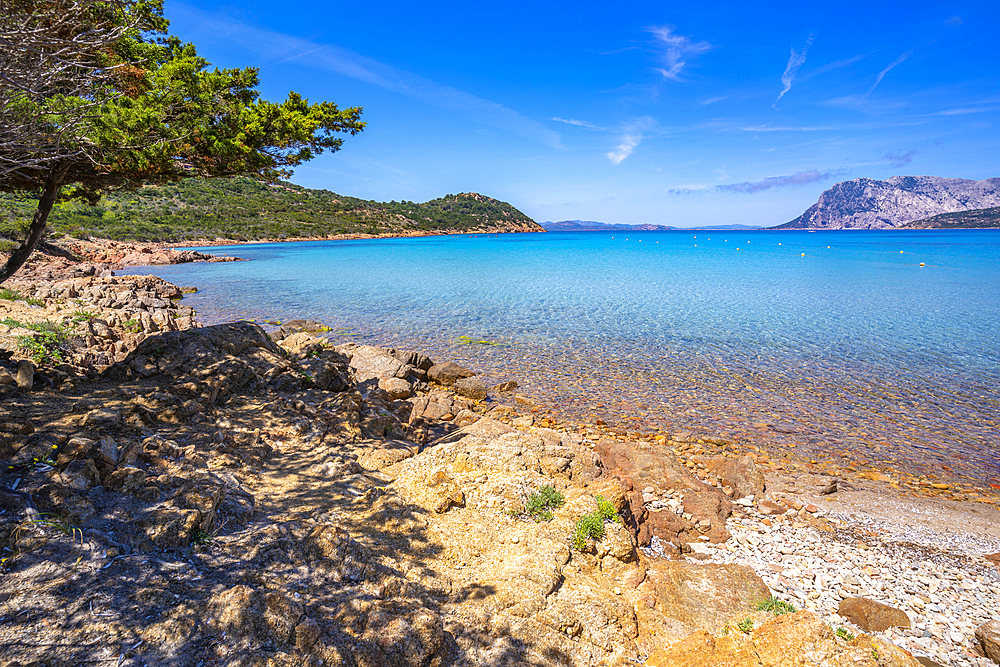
{"points": [[133, 326], [745, 626], [43, 348], [588, 527], [591, 526], [14, 295], [775, 606], [607, 509], [843, 633], [83, 315], [541, 503]]}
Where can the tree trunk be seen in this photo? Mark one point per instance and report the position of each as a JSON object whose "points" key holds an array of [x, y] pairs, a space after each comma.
{"points": [[53, 183]]}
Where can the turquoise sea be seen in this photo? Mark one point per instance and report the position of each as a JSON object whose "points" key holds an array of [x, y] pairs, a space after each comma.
{"points": [[879, 347]]}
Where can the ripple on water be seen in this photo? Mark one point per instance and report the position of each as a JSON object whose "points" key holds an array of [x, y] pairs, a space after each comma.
{"points": [[853, 355]]}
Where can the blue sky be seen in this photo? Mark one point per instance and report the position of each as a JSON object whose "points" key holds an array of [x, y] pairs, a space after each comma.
{"points": [[662, 112]]}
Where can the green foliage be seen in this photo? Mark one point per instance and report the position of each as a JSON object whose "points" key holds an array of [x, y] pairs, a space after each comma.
{"points": [[588, 527], [200, 538], [606, 510], [591, 526], [775, 606], [133, 326], [745, 626], [843, 633], [83, 316], [540, 504], [141, 108], [14, 295], [43, 346], [248, 209]]}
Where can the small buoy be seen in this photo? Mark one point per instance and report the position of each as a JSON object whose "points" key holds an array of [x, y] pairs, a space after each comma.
{"points": [[803, 254], [921, 263], [900, 252], [779, 244], [828, 247]]}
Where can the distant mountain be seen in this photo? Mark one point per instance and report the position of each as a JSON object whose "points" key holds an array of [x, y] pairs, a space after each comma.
{"points": [[245, 209], [865, 203], [591, 226], [735, 228], [975, 219]]}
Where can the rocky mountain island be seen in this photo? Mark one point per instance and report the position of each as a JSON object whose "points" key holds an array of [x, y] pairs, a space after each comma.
{"points": [[865, 203]]}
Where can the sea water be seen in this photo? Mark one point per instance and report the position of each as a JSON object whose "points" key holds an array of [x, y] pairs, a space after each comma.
{"points": [[870, 347]]}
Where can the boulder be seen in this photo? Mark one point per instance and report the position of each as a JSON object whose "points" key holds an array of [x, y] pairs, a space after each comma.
{"points": [[125, 480], [229, 359], [740, 474], [988, 635], [872, 616], [81, 474], [705, 596], [397, 388], [419, 361], [471, 387], [25, 375], [170, 528], [642, 465], [448, 373]]}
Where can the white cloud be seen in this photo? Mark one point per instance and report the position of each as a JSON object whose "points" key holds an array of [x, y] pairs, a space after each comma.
{"points": [[881, 75], [795, 61], [677, 50], [578, 123], [632, 136], [628, 144]]}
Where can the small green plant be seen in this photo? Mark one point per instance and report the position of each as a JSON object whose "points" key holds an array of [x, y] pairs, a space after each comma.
{"points": [[775, 606], [83, 316], [745, 626], [541, 503], [607, 509], [725, 629], [200, 538], [133, 326], [43, 348], [591, 526], [874, 654], [588, 527], [843, 633], [46, 326], [13, 295]]}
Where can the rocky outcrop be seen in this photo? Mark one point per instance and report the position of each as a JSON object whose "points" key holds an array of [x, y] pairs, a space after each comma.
{"points": [[693, 510], [988, 635], [782, 641], [872, 616], [865, 203]]}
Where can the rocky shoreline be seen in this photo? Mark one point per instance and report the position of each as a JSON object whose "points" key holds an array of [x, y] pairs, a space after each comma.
{"points": [[177, 494]]}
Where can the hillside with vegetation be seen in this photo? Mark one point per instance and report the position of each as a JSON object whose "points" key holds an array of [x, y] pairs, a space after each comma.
{"points": [[976, 219], [244, 209]]}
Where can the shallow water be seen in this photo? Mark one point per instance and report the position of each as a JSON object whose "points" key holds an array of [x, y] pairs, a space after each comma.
{"points": [[835, 343]]}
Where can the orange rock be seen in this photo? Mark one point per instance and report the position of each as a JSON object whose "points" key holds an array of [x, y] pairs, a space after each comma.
{"points": [[800, 640]]}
